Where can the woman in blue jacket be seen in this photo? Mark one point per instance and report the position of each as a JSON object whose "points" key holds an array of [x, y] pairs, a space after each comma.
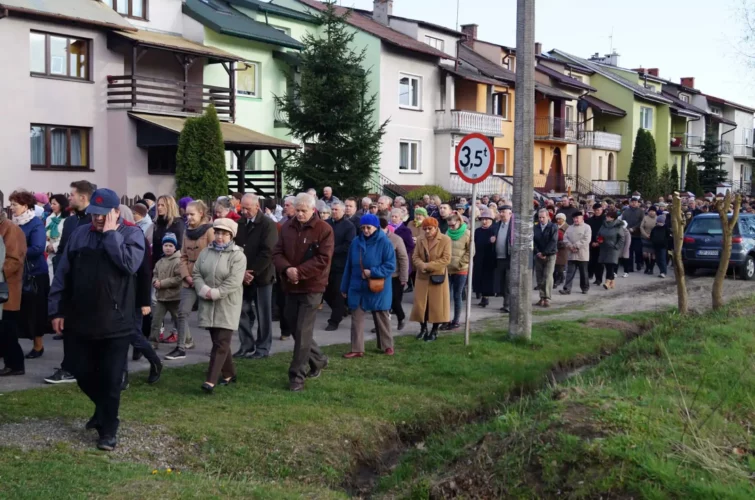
{"points": [[371, 257], [36, 281]]}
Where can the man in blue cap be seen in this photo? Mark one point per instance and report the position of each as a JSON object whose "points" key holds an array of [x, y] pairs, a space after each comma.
{"points": [[92, 303]]}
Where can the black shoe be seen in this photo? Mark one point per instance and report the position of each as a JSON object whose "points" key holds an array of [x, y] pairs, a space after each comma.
{"points": [[230, 381], [57, 336], [584, 292], [565, 292], [243, 353], [176, 354], [93, 424], [155, 369], [124, 381], [597, 283], [445, 326], [505, 309], [400, 326], [484, 302], [106, 443], [432, 336], [8, 372], [374, 330], [331, 327], [257, 355], [318, 371], [60, 377], [208, 388], [422, 333], [137, 355], [34, 354]]}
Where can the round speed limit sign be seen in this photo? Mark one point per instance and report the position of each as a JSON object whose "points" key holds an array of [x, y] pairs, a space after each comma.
{"points": [[474, 158]]}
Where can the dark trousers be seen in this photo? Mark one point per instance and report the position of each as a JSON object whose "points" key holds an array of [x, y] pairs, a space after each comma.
{"points": [[584, 281], [635, 253], [611, 270], [398, 296], [139, 341], [221, 361], [503, 268], [661, 255], [98, 366], [10, 349], [595, 268], [301, 309], [287, 326], [334, 299], [627, 263]]}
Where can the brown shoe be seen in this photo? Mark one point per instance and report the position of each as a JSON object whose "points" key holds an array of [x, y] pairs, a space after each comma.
{"points": [[351, 355], [540, 303], [546, 303], [285, 337], [296, 386]]}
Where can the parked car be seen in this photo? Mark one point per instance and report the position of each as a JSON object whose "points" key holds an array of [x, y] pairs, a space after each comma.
{"points": [[702, 245]]}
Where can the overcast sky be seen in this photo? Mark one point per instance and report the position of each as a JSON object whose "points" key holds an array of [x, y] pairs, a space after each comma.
{"points": [[698, 38]]}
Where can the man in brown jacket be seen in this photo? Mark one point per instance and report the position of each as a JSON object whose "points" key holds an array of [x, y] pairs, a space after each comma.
{"points": [[302, 256], [13, 268]]}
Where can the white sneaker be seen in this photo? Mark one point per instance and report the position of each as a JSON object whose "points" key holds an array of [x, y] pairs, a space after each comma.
{"points": [[626, 275], [661, 275]]}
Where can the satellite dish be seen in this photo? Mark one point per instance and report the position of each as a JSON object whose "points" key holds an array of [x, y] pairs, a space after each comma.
{"points": [[582, 106]]}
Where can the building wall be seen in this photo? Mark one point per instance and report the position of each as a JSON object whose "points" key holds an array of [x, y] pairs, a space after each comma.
{"points": [[507, 141], [623, 98], [662, 135], [409, 28], [449, 41], [593, 163], [162, 15], [466, 95]]}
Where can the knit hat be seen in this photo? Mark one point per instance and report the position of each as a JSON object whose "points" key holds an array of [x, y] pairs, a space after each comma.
{"points": [[226, 225], [420, 211], [369, 220], [430, 222], [170, 238], [661, 219], [140, 209], [41, 198], [561, 216], [485, 214]]}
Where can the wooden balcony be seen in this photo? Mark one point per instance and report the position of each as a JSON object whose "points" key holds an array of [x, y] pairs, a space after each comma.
{"points": [[468, 122], [157, 95], [600, 140], [555, 129]]}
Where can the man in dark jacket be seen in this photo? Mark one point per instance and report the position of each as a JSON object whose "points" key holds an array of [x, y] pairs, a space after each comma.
{"points": [[257, 235], [92, 302], [567, 209], [343, 233], [81, 193], [302, 256], [633, 217], [595, 268], [545, 248]]}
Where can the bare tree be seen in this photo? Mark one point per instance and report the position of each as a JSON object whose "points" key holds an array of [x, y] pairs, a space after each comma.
{"points": [[677, 227], [727, 226]]}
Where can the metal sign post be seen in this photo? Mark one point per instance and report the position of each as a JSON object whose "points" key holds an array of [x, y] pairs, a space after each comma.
{"points": [[474, 163]]}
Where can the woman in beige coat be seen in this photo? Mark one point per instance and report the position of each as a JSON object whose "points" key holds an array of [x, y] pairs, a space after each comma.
{"points": [[432, 297]]}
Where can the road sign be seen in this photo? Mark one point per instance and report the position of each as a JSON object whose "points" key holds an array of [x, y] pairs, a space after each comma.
{"points": [[474, 158]]}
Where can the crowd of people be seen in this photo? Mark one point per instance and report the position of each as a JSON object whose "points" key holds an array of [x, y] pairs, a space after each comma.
{"points": [[104, 276]]}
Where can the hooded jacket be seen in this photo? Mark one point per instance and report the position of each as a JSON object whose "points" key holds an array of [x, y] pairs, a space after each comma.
{"points": [[221, 273], [195, 240], [168, 273]]}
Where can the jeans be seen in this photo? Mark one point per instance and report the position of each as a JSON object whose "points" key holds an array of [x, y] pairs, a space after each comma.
{"points": [[139, 342], [544, 275], [257, 302], [10, 349], [158, 314], [98, 366], [301, 309], [584, 281], [188, 299], [456, 283], [661, 254], [334, 299], [635, 252]]}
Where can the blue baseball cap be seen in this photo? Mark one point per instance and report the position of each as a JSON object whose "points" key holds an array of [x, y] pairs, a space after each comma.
{"points": [[103, 201]]}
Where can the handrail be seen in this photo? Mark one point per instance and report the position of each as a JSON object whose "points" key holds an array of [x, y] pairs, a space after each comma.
{"points": [[111, 78]]}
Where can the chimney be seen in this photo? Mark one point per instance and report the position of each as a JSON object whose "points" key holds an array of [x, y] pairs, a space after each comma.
{"points": [[653, 71], [382, 10], [688, 81], [470, 32], [641, 71], [538, 48]]}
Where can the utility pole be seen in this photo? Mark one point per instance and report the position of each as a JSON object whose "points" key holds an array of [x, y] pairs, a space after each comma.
{"points": [[520, 318]]}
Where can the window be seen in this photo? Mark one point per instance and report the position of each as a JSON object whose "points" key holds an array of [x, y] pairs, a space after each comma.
{"points": [[577, 77], [59, 147], [161, 160], [55, 55], [650, 87], [542, 161], [716, 111], [501, 161], [569, 115], [436, 43], [408, 156], [646, 118], [409, 92], [507, 62], [569, 165], [684, 97], [285, 31], [600, 168], [748, 136], [501, 104], [129, 8], [247, 80]]}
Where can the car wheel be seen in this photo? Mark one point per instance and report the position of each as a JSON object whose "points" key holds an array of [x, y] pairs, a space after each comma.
{"points": [[689, 270], [747, 270]]}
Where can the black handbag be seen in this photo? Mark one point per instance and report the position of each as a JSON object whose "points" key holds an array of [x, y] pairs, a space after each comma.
{"points": [[435, 279], [30, 284], [4, 292]]}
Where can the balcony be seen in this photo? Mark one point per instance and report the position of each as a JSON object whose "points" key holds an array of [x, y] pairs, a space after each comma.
{"points": [[742, 187], [611, 188], [725, 147], [685, 143], [600, 140], [468, 122], [146, 93], [555, 129], [743, 151], [495, 184]]}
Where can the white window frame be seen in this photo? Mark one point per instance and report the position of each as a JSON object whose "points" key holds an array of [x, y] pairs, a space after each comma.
{"points": [[748, 136], [684, 98], [418, 166], [716, 111], [646, 112], [507, 101], [505, 152], [257, 80], [569, 164], [436, 43], [569, 115], [418, 82], [282, 29]]}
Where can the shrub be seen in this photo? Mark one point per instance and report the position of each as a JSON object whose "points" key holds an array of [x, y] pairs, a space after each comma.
{"points": [[417, 194]]}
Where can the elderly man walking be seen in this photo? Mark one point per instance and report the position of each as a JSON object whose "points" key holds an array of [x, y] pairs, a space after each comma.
{"points": [[546, 248], [577, 240], [302, 256], [257, 236], [92, 303], [343, 234], [504, 249]]}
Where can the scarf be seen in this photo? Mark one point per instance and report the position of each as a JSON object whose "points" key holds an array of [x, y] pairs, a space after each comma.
{"points": [[417, 223], [394, 226], [220, 248], [455, 234], [53, 227], [197, 232], [24, 218]]}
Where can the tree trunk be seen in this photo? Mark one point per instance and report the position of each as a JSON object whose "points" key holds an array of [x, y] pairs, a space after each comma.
{"points": [[727, 226], [677, 225]]}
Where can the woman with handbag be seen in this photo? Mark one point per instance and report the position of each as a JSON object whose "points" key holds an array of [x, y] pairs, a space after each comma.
{"points": [[36, 282], [12, 266], [54, 229], [432, 297], [367, 286]]}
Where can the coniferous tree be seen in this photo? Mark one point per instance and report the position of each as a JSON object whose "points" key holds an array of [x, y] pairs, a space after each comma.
{"points": [[664, 182], [710, 172], [331, 112], [643, 172], [692, 179], [674, 178], [200, 160]]}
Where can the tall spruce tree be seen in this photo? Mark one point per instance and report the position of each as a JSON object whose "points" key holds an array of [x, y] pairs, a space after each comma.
{"points": [[643, 172], [200, 160], [331, 112], [674, 178], [710, 172], [692, 179], [664, 182]]}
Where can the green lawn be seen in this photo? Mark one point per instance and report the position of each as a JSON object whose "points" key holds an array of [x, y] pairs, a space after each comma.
{"points": [[670, 415], [256, 439]]}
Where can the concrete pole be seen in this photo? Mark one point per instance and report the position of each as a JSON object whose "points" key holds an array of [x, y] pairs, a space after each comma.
{"points": [[520, 318], [472, 218]]}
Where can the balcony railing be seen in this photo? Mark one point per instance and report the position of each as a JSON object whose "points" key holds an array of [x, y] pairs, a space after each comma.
{"points": [[600, 140], [468, 122], [495, 184], [611, 188], [725, 147], [685, 142], [157, 94], [743, 151], [743, 187], [547, 128]]}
